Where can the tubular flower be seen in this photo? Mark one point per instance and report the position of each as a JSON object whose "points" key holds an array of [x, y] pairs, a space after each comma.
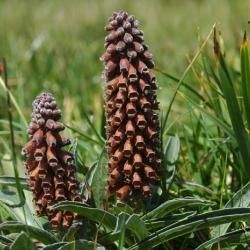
{"points": [[50, 169], [132, 126]]}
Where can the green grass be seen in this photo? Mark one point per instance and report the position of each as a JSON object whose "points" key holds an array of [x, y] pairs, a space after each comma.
{"points": [[55, 46]]}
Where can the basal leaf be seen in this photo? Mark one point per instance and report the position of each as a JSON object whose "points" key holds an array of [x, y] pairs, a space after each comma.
{"points": [[95, 214], [233, 238], [99, 180], [191, 225], [81, 245], [137, 226], [171, 154], [33, 232], [22, 242], [173, 205], [11, 181], [240, 199]]}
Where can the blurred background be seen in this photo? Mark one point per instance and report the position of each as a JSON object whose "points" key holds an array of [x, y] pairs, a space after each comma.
{"points": [[55, 46]]}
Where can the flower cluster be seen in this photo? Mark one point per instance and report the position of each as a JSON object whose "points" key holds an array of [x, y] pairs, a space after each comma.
{"points": [[51, 170], [131, 106]]}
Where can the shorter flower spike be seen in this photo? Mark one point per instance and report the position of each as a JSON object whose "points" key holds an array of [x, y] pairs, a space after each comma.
{"points": [[50, 169]]}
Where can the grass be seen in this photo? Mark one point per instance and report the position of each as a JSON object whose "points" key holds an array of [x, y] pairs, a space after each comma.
{"points": [[56, 45]]}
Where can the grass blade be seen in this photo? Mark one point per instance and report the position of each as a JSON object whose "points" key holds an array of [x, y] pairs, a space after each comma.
{"points": [[226, 85], [12, 138], [92, 126], [184, 84], [14, 102], [77, 131], [183, 77], [245, 74]]}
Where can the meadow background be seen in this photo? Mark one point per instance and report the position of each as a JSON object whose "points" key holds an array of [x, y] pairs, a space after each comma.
{"points": [[55, 46]]}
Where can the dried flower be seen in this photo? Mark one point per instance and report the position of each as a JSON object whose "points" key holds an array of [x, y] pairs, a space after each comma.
{"points": [[132, 121], [51, 170]]}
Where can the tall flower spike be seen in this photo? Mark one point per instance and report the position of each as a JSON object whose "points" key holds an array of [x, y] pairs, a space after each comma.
{"points": [[132, 121], [50, 169]]}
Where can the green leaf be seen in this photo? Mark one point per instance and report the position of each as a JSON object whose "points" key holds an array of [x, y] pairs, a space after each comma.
{"points": [[88, 181], [170, 157], [193, 224], [137, 226], [99, 180], [54, 246], [245, 75], [153, 224], [115, 234], [14, 102], [173, 205], [36, 233], [4, 240], [22, 242], [81, 245], [184, 84], [3, 247], [219, 122], [227, 88], [22, 214], [6, 213], [233, 238], [122, 229], [124, 222], [95, 214], [11, 181], [240, 199], [86, 137], [92, 126]]}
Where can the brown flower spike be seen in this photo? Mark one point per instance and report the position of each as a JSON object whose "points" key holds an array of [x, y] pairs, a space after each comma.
{"points": [[132, 123], [51, 172]]}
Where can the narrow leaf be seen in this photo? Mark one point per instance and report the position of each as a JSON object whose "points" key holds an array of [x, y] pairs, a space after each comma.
{"points": [[228, 90], [228, 240], [171, 154], [22, 242], [54, 246], [11, 181], [193, 224], [173, 205], [80, 245], [99, 180], [245, 75], [137, 226], [36, 233], [240, 199], [100, 216]]}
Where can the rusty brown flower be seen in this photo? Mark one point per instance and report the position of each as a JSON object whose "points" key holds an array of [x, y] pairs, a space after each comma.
{"points": [[50, 168], [131, 106]]}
